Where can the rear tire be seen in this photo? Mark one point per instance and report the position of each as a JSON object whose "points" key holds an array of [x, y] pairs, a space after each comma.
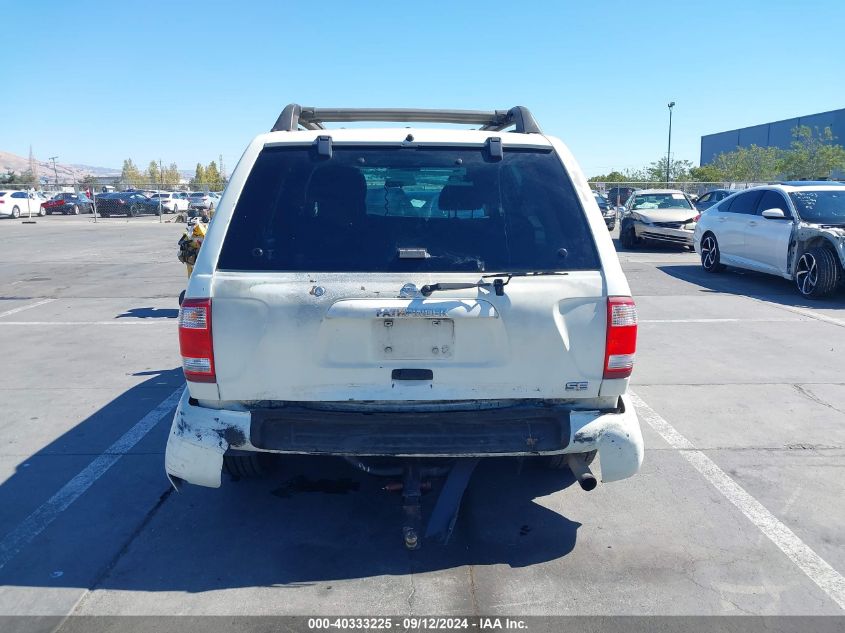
{"points": [[246, 466], [16, 212], [42, 212], [817, 272], [75, 209], [710, 256], [558, 462]]}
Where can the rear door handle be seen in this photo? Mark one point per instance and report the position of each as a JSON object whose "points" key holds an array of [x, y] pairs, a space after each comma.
{"points": [[721, 219], [752, 223]]}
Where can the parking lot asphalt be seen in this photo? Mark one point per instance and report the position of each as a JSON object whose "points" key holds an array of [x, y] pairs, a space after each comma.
{"points": [[738, 508]]}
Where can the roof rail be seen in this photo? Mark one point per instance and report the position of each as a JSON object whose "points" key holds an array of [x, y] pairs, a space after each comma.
{"points": [[295, 115]]}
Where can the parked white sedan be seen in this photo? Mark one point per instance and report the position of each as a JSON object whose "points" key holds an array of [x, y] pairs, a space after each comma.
{"points": [[171, 202], [795, 230]]}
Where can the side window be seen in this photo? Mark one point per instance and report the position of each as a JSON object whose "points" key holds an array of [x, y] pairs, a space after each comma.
{"points": [[745, 203], [19, 194], [773, 200], [706, 197]]}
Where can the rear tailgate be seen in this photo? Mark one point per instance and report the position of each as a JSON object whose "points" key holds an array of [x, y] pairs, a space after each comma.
{"points": [[278, 337]]}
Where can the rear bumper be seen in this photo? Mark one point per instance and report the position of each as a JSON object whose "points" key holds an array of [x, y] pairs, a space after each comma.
{"points": [[200, 436]]}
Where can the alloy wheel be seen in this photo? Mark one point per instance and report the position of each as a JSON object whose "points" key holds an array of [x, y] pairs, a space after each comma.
{"points": [[806, 274], [709, 252]]}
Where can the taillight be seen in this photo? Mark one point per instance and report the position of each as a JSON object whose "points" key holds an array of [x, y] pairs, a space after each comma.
{"points": [[697, 218], [621, 337], [195, 341]]}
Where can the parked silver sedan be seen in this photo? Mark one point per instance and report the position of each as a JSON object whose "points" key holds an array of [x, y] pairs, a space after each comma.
{"points": [[202, 200], [662, 215]]}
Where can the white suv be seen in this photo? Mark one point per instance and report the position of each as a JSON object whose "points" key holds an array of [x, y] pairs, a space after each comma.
{"points": [[406, 293]]}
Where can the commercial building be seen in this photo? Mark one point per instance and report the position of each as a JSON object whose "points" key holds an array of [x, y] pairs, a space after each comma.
{"points": [[776, 134]]}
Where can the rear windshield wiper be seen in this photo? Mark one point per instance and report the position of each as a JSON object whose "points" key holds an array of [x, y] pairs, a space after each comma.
{"points": [[498, 282], [427, 289]]}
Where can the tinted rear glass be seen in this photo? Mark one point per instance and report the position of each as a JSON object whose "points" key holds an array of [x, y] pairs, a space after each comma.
{"points": [[363, 208]]}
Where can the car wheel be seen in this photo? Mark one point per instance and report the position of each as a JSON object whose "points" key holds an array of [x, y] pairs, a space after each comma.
{"points": [[246, 465], [16, 212], [710, 259], [558, 462], [611, 226], [42, 212], [75, 209], [103, 214], [817, 272], [133, 212], [628, 237]]}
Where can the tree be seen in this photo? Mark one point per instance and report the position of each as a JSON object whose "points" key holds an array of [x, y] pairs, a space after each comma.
{"points": [[212, 177], [678, 170], [26, 177], [812, 155], [171, 175], [613, 176], [130, 174], [750, 164], [706, 173], [153, 173], [199, 177]]}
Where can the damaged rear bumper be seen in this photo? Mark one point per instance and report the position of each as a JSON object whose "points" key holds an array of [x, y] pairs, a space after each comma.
{"points": [[200, 436]]}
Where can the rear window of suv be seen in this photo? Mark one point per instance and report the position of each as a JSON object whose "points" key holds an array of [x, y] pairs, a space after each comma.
{"points": [[383, 209]]}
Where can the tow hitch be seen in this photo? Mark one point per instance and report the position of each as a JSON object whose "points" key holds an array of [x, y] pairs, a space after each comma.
{"points": [[416, 479]]}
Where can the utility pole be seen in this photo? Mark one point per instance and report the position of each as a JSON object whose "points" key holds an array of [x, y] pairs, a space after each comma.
{"points": [[55, 173], [160, 189], [669, 149], [33, 168]]}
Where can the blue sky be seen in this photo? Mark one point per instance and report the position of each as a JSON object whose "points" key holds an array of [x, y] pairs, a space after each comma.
{"points": [[184, 81]]}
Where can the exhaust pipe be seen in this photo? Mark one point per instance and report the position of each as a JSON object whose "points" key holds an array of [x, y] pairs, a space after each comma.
{"points": [[578, 465]]}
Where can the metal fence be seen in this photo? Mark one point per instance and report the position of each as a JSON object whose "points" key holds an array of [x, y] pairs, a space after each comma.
{"points": [[31, 206], [691, 188]]}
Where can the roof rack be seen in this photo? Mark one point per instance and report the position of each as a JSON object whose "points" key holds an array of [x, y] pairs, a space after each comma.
{"points": [[295, 115]]}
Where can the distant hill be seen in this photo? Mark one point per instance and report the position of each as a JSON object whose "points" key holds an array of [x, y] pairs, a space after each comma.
{"points": [[66, 173]]}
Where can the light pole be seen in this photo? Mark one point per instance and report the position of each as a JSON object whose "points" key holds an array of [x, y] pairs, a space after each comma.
{"points": [[669, 149], [55, 173]]}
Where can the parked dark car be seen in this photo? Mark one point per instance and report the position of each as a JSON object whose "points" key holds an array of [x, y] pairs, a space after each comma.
{"points": [[69, 204], [707, 200], [608, 211], [618, 196], [128, 203]]}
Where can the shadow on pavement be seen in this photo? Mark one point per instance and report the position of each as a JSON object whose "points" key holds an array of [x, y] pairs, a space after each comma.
{"points": [[150, 313], [312, 520], [748, 283], [650, 247], [319, 520]]}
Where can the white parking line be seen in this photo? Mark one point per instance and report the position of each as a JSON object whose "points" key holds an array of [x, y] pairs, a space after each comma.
{"points": [[763, 320], [814, 566], [26, 307], [36, 522], [812, 314], [136, 321]]}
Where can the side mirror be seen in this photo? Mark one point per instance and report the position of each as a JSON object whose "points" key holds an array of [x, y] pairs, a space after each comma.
{"points": [[774, 214]]}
